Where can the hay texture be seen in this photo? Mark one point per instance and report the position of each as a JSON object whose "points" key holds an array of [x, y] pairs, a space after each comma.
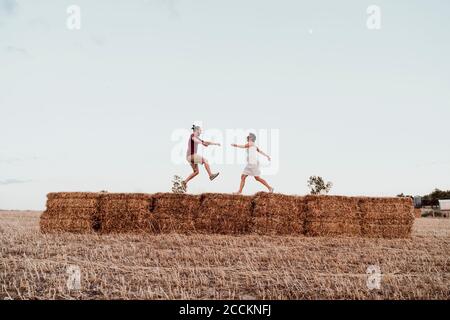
{"points": [[333, 216], [212, 213], [278, 214], [126, 212], [224, 214], [75, 212], [387, 217], [175, 212]]}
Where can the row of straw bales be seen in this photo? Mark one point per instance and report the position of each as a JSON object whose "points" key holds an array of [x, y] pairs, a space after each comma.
{"points": [[212, 213]]}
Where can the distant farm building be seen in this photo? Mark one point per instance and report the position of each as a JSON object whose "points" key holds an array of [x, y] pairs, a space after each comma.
{"points": [[444, 206], [417, 202]]}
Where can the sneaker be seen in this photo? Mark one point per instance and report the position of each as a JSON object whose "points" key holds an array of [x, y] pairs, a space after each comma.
{"points": [[213, 176]]}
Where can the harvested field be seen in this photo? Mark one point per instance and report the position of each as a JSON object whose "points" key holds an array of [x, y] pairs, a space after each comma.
{"points": [[417, 213], [33, 265], [213, 213]]}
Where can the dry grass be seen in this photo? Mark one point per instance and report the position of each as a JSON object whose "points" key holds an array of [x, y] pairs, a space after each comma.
{"points": [[218, 213], [171, 266]]}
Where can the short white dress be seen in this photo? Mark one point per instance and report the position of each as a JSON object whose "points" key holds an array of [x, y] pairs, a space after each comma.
{"points": [[252, 167]]}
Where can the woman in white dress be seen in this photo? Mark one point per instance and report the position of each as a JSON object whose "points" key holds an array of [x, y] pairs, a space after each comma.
{"points": [[252, 167]]}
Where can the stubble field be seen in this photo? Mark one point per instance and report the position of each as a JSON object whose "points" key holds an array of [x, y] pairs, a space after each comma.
{"points": [[34, 265]]}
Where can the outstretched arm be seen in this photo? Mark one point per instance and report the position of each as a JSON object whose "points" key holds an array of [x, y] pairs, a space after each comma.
{"points": [[243, 146], [263, 153], [205, 143], [209, 143]]}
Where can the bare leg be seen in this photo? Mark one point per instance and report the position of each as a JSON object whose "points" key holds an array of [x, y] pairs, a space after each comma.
{"points": [[241, 187], [212, 176], [264, 182], [208, 169], [193, 174]]}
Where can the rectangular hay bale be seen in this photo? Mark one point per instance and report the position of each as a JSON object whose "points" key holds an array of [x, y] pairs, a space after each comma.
{"points": [[334, 228], [51, 225], [278, 214], [391, 231], [387, 217], [73, 195], [175, 212], [123, 213], [333, 216], [72, 203], [390, 209], [224, 214], [70, 212], [333, 207]]}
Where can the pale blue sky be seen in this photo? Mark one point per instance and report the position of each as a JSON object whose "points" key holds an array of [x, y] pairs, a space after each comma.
{"points": [[95, 109]]}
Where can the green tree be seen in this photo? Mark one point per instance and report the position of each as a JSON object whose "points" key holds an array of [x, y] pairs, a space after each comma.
{"points": [[434, 197]]}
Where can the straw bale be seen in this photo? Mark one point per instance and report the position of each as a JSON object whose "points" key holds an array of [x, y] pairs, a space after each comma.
{"points": [[76, 203], [373, 230], [71, 212], [278, 214], [392, 209], [335, 228], [73, 195], [123, 213], [333, 208], [175, 212], [224, 214], [52, 225], [387, 217]]}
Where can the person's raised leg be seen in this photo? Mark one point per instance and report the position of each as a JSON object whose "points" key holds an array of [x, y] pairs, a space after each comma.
{"points": [[241, 187], [212, 176], [192, 175], [264, 182], [207, 167]]}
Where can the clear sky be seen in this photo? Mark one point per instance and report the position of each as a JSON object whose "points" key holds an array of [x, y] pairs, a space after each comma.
{"points": [[95, 109]]}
